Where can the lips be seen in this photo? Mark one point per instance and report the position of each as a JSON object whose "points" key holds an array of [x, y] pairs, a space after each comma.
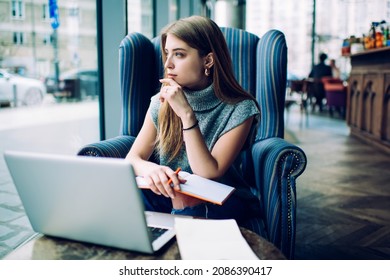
{"points": [[171, 76]]}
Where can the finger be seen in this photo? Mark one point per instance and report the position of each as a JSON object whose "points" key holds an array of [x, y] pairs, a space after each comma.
{"points": [[175, 181], [159, 185], [166, 93], [165, 90], [167, 187], [181, 180], [172, 93], [152, 186], [167, 81]]}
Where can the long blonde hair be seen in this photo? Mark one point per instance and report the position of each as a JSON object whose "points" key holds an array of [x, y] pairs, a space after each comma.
{"points": [[203, 34]]}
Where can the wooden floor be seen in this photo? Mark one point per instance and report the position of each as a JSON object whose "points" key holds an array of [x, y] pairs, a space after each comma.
{"points": [[343, 197]]}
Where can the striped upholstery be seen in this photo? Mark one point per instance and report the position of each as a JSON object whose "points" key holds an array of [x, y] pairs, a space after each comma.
{"points": [[137, 77], [243, 56], [272, 165], [271, 86], [278, 164], [116, 147]]}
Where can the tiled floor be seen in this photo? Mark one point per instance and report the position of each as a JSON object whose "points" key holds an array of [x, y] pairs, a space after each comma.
{"points": [[343, 197]]}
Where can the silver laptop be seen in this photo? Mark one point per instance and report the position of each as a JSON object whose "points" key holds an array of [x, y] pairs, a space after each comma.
{"points": [[88, 199]]}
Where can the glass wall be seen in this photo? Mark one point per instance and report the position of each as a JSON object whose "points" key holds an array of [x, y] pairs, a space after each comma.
{"points": [[48, 90], [149, 16], [48, 64], [335, 20], [140, 17]]}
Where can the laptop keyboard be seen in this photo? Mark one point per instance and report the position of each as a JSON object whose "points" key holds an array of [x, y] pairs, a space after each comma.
{"points": [[156, 232]]}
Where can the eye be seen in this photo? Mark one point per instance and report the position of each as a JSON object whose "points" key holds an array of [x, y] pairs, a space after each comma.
{"points": [[179, 54]]}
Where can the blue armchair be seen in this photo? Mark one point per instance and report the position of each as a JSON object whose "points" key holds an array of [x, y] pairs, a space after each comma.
{"points": [[272, 165]]}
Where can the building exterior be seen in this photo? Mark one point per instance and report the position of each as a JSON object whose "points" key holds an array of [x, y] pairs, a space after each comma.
{"points": [[27, 39]]}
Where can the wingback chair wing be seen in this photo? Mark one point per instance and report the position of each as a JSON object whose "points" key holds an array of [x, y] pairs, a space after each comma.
{"points": [[271, 166]]}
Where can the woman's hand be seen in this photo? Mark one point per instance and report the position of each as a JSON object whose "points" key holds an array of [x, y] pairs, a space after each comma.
{"points": [[173, 93], [158, 181]]}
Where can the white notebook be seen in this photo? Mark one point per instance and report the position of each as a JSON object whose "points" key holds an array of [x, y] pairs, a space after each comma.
{"points": [[199, 187], [206, 239]]}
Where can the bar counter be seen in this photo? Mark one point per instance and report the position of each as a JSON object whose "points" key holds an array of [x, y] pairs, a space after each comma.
{"points": [[368, 106]]}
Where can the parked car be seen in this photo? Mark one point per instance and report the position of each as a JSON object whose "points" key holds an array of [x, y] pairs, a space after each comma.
{"points": [[78, 83], [20, 90], [50, 83]]}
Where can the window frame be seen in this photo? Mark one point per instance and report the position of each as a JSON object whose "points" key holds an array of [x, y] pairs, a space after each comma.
{"points": [[18, 9]]}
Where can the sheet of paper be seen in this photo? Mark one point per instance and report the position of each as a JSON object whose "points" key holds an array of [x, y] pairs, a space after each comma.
{"points": [[201, 239]]}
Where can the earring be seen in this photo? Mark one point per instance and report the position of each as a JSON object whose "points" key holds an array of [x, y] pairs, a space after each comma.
{"points": [[207, 71]]}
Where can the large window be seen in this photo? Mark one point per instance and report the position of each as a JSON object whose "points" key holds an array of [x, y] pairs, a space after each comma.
{"points": [[140, 16], [335, 20], [49, 91]]}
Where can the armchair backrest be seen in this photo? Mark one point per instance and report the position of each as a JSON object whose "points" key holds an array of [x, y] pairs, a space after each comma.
{"points": [[260, 66]]}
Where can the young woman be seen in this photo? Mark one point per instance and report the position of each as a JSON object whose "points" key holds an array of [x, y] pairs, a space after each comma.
{"points": [[200, 121]]}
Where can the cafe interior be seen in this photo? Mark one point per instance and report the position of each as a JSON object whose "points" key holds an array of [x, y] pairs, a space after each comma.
{"points": [[323, 146]]}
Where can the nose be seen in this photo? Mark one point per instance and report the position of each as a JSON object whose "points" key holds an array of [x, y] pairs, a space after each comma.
{"points": [[168, 63]]}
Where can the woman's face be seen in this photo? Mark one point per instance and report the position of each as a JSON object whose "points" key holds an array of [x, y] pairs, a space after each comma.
{"points": [[184, 65]]}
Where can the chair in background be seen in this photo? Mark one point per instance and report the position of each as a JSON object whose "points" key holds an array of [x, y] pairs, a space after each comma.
{"points": [[297, 94], [271, 166], [316, 93], [336, 95]]}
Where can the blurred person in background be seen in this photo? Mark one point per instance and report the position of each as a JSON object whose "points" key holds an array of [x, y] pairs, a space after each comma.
{"points": [[316, 89]]}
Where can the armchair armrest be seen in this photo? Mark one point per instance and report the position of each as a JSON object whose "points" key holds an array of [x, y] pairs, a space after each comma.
{"points": [[278, 163], [116, 147]]}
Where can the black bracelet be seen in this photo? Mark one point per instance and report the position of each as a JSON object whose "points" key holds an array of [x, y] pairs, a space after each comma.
{"points": [[191, 127]]}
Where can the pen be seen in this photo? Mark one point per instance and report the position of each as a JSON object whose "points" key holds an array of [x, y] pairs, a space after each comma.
{"points": [[176, 172]]}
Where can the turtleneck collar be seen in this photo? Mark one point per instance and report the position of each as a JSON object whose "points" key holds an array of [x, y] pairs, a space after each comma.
{"points": [[202, 100]]}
